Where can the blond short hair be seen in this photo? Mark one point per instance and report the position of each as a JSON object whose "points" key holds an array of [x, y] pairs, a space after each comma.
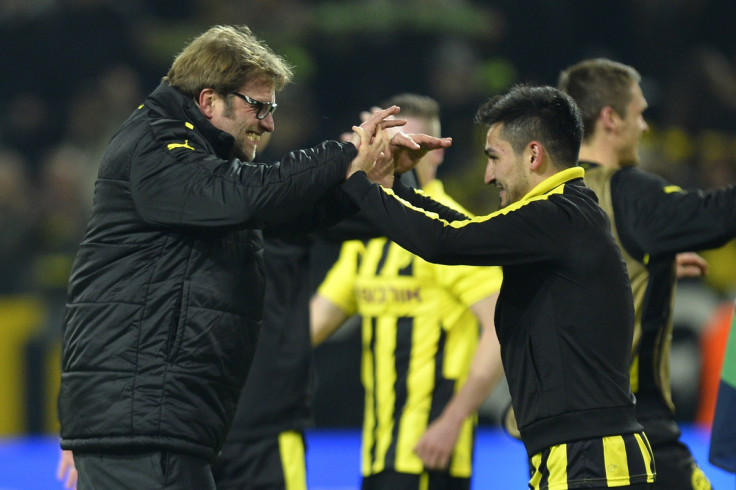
{"points": [[597, 83], [224, 58]]}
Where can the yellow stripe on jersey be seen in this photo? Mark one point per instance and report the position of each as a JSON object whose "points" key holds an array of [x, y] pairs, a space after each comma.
{"points": [[536, 478], [554, 467], [614, 457], [634, 374], [557, 466], [419, 383], [369, 413], [424, 481], [552, 185], [646, 452], [594, 460], [461, 464], [291, 448]]}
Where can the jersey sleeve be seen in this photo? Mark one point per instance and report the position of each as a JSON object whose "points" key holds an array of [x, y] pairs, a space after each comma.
{"points": [[470, 284], [654, 217], [525, 233]]}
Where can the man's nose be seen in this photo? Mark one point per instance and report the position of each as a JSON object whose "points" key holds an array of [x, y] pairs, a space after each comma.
{"points": [[490, 176], [267, 123]]}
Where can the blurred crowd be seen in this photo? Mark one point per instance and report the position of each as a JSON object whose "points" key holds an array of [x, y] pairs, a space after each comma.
{"points": [[73, 70]]}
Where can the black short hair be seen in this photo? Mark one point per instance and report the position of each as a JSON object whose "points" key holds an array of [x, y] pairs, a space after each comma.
{"points": [[541, 113]]}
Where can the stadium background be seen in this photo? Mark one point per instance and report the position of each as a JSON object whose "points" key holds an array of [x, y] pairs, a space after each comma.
{"points": [[72, 70]]}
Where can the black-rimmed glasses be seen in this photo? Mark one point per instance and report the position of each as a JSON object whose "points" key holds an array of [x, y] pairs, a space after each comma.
{"points": [[263, 109]]}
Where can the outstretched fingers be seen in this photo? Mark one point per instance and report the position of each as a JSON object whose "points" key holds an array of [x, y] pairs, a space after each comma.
{"points": [[382, 119], [427, 142], [408, 149]]}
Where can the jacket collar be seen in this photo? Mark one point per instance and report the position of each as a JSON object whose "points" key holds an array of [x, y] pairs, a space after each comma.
{"points": [[549, 184], [173, 103]]}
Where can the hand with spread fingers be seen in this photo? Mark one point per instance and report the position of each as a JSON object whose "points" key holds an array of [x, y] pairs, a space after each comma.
{"points": [[396, 156], [407, 149], [375, 121]]}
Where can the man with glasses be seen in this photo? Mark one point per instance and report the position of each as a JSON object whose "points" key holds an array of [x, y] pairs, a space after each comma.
{"points": [[166, 293], [263, 109]]}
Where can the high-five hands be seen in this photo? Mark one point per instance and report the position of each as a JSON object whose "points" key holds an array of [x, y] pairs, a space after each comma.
{"points": [[371, 157], [371, 141], [393, 153], [374, 122]]}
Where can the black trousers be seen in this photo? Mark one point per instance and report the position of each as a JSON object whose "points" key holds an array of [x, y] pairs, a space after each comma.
{"points": [[157, 470], [275, 462]]}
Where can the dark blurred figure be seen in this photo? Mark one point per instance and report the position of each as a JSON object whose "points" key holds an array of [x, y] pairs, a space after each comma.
{"points": [[653, 221], [17, 216]]}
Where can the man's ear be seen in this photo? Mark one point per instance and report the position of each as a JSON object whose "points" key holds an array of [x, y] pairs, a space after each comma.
{"points": [[206, 102], [609, 118], [536, 153]]}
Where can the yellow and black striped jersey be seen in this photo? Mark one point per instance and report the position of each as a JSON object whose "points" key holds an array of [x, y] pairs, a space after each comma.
{"points": [[419, 337]]}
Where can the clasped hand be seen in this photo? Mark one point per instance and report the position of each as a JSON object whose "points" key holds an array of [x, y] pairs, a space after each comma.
{"points": [[382, 156]]}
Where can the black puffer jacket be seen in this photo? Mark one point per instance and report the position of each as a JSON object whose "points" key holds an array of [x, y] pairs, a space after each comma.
{"points": [[166, 295]]}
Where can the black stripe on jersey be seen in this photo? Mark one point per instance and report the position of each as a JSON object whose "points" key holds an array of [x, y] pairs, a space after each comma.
{"points": [[374, 374], [402, 357], [544, 469], [384, 256], [634, 457], [443, 388], [585, 458], [576, 462], [408, 270]]}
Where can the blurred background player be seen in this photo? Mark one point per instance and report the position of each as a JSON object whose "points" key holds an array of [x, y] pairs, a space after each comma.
{"points": [[420, 329]]}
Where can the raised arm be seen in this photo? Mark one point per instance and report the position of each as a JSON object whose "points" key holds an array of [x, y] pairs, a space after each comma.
{"points": [[503, 238], [666, 219], [402, 153]]}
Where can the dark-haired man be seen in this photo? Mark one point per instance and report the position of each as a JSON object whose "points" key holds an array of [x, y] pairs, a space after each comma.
{"points": [[565, 315]]}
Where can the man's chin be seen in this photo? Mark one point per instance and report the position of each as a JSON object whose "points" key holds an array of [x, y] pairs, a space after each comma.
{"points": [[246, 156]]}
